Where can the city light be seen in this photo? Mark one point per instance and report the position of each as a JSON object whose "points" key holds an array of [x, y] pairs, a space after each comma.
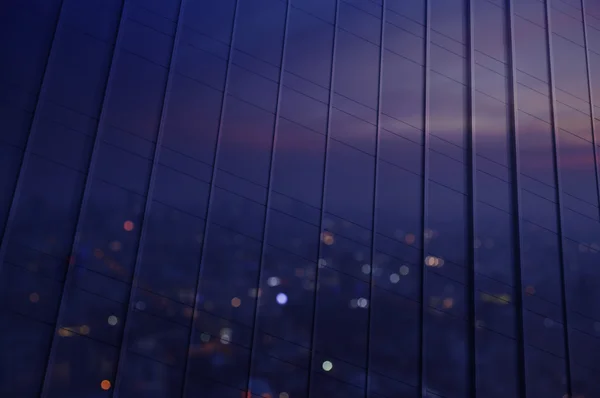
{"points": [[281, 299]]}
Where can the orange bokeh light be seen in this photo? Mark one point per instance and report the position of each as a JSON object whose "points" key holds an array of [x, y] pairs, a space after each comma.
{"points": [[105, 385], [128, 225]]}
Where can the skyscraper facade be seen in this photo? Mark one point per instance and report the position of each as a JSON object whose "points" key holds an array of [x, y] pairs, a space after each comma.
{"points": [[300, 198]]}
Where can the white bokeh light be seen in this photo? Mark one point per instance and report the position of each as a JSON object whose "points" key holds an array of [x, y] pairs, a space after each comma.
{"points": [[281, 298]]}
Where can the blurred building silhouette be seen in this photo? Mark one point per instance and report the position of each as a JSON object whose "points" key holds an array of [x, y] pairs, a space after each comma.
{"points": [[299, 198]]}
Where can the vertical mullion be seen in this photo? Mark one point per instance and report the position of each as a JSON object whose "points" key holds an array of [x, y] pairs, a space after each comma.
{"points": [[211, 189], [471, 164], [323, 190], [374, 211], [557, 181], [269, 191], [12, 211], [425, 198], [591, 98], [147, 207], [516, 199], [67, 280]]}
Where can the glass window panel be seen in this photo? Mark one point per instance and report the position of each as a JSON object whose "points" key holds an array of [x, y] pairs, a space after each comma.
{"points": [[448, 229], [540, 262], [490, 30], [98, 19], [494, 311], [497, 359], [162, 307], [171, 253], [570, 67], [447, 107], [246, 140], [286, 302], [493, 191], [295, 208], [447, 63], [574, 120], [80, 366], [122, 168], [22, 76], [448, 18], [48, 208], [577, 168], [325, 386], [494, 243], [77, 76], [531, 49], [343, 227], [404, 43], [167, 9], [566, 21], [400, 151], [214, 21], [535, 147], [259, 29], [414, 9], [581, 276], [180, 191], [156, 338], [385, 387], [90, 315], [250, 87], [342, 306], [583, 381], [101, 285], [163, 21], [202, 66], [141, 376], [136, 95], [229, 272], [543, 332], [346, 255], [237, 213], [146, 42], [445, 295], [545, 373], [447, 171], [60, 144], [28, 293], [192, 118], [309, 43], [112, 215], [394, 349], [583, 346], [303, 110], [24, 346], [399, 204], [218, 360], [446, 358], [293, 235], [353, 131], [350, 175], [339, 369], [579, 227], [354, 56], [274, 378], [402, 92], [396, 275], [360, 23]]}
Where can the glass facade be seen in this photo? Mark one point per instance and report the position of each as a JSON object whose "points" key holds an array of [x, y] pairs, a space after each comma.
{"points": [[300, 198]]}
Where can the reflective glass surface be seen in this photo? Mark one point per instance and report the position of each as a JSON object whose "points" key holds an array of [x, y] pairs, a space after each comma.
{"points": [[300, 198]]}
